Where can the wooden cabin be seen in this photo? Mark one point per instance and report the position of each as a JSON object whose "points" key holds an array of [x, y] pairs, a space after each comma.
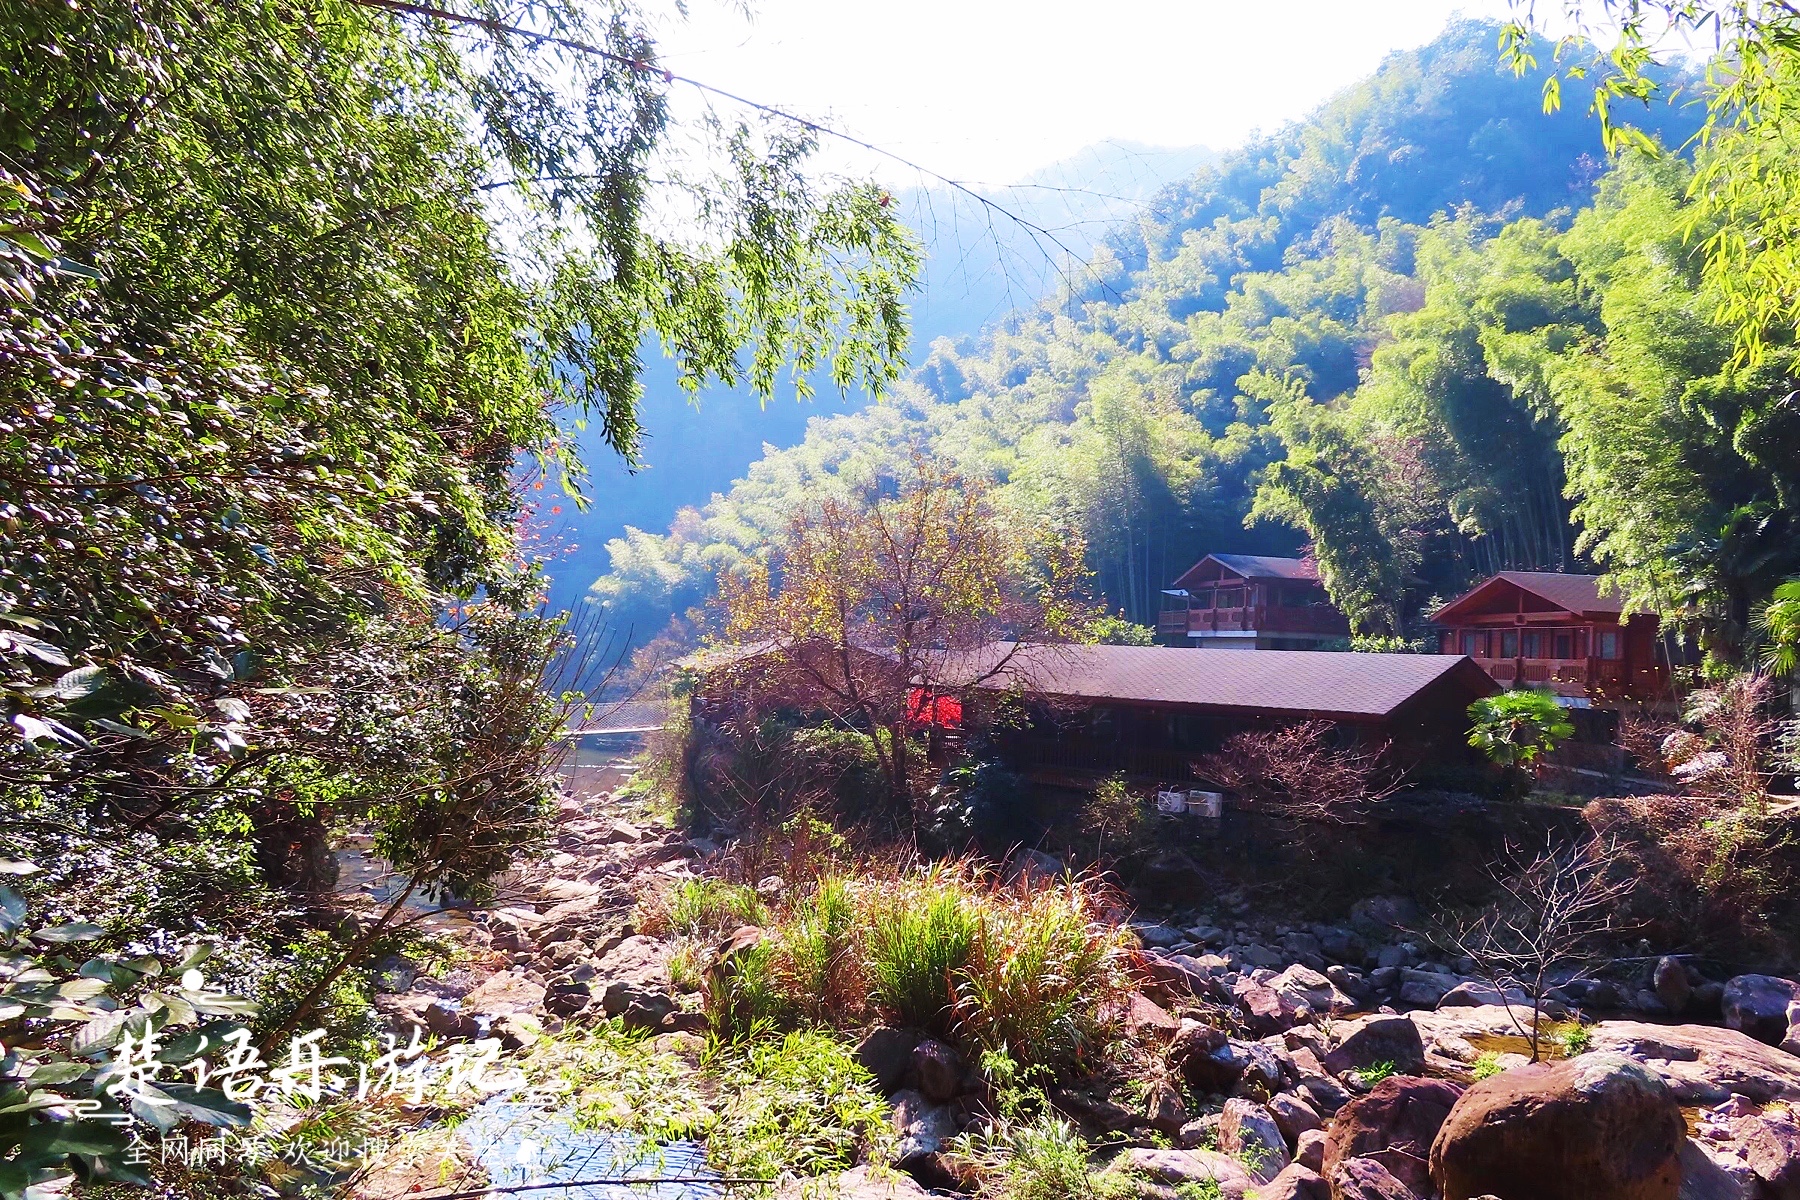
{"points": [[1250, 602], [1545, 629], [1151, 711]]}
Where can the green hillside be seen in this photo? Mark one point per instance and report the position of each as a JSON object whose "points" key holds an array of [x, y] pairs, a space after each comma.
{"points": [[1221, 334]]}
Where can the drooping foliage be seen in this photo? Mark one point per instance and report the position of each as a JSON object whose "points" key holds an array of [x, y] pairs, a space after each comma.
{"points": [[295, 296]]}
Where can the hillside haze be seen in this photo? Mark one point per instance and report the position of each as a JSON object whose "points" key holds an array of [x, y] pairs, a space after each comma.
{"points": [[989, 250], [1137, 406]]}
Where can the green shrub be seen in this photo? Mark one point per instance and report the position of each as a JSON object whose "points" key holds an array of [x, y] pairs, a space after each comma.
{"points": [[799, 1105], [1371, 1075], [1515, 729], [1487, 1065], [921, 932], [817, 940]]}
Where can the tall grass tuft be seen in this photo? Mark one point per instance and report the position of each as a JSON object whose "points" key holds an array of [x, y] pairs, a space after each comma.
{"points": [[702, 908], [817, 940], [920, 933], [1043, 975]]}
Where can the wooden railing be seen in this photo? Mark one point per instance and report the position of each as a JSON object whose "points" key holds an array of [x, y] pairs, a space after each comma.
{"points": [[1604, 674], [1311, 618]]}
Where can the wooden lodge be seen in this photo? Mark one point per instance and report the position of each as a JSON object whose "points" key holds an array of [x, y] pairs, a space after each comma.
{"points": [[1150, 711], [1544, 629], [1249, 602]]}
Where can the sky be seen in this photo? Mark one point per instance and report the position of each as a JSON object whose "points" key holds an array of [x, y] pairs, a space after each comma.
{"points": [[985, 91]]}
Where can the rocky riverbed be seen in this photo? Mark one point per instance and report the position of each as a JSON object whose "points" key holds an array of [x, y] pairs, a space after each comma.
{"points": [[1322, 1060]]}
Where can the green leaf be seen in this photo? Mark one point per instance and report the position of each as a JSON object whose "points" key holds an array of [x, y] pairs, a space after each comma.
{"points": [[12, 910], [101, 1033], [70, 1137], [53, 1074], [69, 931], [18, 866], [82, 681], [207, 1104], [79, 989], [14, 1179]]}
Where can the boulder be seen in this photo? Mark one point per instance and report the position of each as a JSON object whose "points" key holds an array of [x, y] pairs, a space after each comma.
{"points": [[862, 1183], [1394, 1124], [1176, 1168], [1598, 1127], [1177, 975], [940, 1070], [639, 959], [566, 999], [1302, 987], [1164, 1109], [886, 1053], [923, 1128], [1247, 1131], [637, 1006], [1473, 993], [1324, 1092], [503, 995], [1309, 1150], [1791, 1043], [1366, 1179], [1160, 936], [1770, 1146], [1709, 1174], [445, 1019], [1670, 982], [1095, 1112], [1205, 1058], [1703, 1065], [1033, 866], [1757, 1005], [1293, 1116], [1267, 1066], [1377, 1039], [1146, 1018], [1295, 1183]]}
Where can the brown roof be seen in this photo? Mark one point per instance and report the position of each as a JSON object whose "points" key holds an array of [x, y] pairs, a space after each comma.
{"points": [[1258, 566], [1290, 682], [1572, 593]]}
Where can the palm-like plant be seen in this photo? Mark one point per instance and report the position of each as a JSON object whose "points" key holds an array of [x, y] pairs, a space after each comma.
{"points": [[1777, 624]]}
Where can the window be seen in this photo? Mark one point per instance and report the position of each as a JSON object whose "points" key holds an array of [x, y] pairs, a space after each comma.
{"points": [[1471, 644], [1533, 644], [1296, 597], [1609, 644], [1201, 599], [1231, 597], [1509, 644], [1565, 645]]}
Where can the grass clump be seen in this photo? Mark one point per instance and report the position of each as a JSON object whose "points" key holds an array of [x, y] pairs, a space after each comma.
{"points": [[1573, 1038], [796, 1105], [702, 908], [1487, 1065], [1033, 972], [1373, 1074]]}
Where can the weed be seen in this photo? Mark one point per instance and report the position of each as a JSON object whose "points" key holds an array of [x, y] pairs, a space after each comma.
{"points": [[816, 939], [1199, 1189], [687, 966], [614, 1079], [1371, 1075], [921, 933], [702, 908], [1573, 1038], [1486, 1066], [800, 1105]]}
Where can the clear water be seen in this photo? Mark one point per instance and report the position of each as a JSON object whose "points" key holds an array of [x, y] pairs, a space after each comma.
{"points": [[518, 1144]]}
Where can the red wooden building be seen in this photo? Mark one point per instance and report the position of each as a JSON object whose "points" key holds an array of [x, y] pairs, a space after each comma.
{"points": [[1250, 602], [1549, 630]]}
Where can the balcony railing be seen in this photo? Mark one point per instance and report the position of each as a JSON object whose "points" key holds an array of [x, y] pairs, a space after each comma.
{"points": [[1310, 618], [1575, 676]]}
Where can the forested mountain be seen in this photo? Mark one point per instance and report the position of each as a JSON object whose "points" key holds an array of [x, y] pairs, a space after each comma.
{"points": [[1283, 350], [987, 252]]}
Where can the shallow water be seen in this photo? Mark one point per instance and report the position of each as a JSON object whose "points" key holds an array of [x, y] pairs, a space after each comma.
{"points": [[518, 1144]]}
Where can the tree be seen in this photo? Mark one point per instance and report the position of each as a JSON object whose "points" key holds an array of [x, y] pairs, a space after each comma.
{"points": [[866, 603], [1302, 774], [1778, 623], [296, 297], [1549, 914], [1517, 728]]}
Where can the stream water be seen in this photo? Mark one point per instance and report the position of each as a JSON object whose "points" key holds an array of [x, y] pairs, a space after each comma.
{"points": [[517, 1144]]}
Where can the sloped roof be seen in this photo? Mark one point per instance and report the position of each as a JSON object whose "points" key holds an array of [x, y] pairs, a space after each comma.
{"points": [[1291, 682], [1258, 566], [1578, 594]]}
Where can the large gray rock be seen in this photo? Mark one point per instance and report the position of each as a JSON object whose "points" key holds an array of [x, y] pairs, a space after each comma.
{"points": [[1598, 1127], [1377, 1039], [1295, 1183], [1248, 1132], [940, 1070], [923, 1128], [1670, 982], [1757, 1005], [1771, 1149], [1176, 1168], [1302, 987], [1702, 1064]]}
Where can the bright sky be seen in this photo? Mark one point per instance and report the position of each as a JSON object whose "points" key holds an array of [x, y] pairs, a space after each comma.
{"points": [[988, 90]]}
